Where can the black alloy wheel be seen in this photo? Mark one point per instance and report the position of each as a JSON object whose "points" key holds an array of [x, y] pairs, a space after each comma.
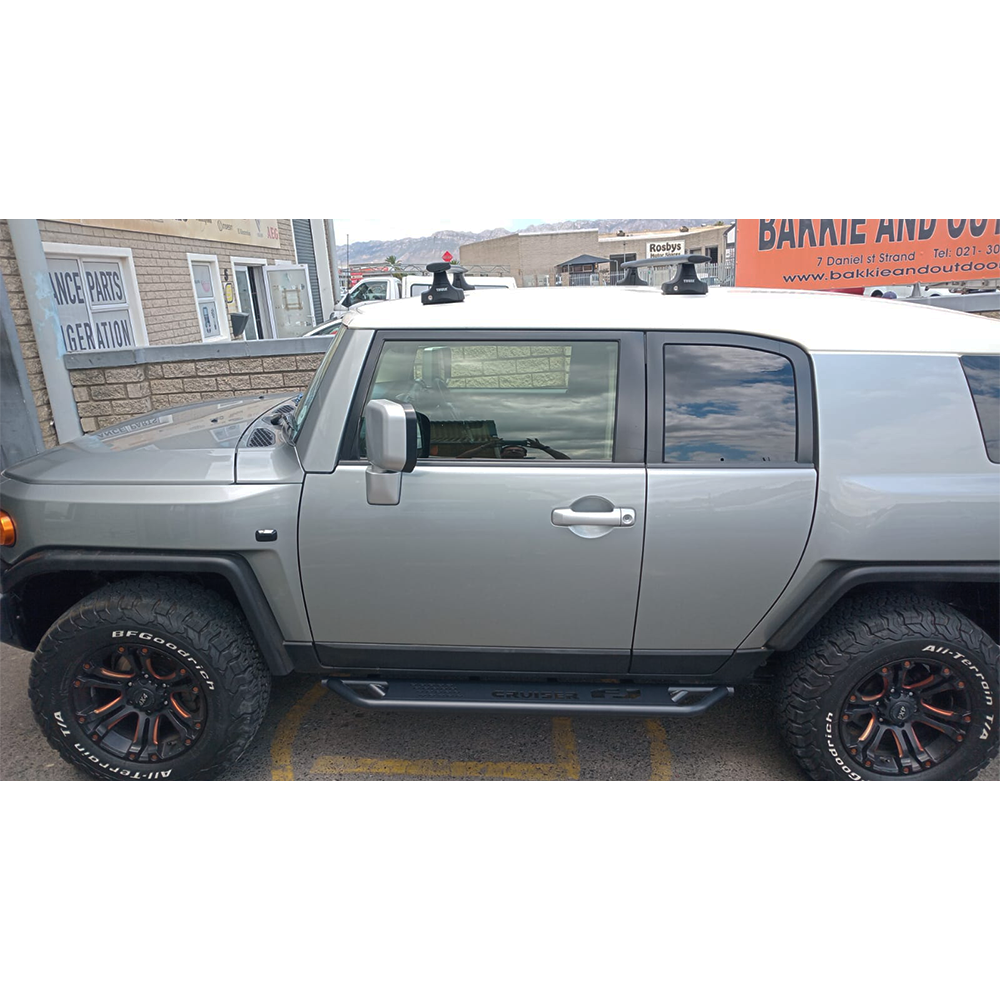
{"points": [[138, 703], [906, 716]]}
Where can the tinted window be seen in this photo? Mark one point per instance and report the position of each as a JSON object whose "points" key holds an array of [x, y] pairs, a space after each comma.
{"points": [[727, 404], [983, 373], [543, 400]]}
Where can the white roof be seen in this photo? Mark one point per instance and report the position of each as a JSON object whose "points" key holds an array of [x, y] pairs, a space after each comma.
{"points": [[818, 321]]}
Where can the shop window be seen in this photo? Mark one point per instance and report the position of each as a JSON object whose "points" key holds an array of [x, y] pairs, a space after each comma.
{"points": [[96, 296], [207, 295]]}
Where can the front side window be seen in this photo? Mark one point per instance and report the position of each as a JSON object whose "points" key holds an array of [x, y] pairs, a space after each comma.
{"points": [[983, 374], [727, 404], [502, 400], [367, 291]]}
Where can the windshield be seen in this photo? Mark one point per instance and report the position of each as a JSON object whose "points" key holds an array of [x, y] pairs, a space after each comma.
{"points": [[302, 410]]}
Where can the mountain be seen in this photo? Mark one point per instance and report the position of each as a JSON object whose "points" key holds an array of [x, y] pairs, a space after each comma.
{"points": [[422, 249]]}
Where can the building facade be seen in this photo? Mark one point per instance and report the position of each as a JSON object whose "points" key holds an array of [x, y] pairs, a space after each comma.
{"points": [[132, 285], [534, 258]]}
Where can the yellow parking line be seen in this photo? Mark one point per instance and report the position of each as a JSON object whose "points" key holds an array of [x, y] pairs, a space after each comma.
{"points": [[659, 753], [397, 767], [565, 746], [284, 735], [566, 766]]}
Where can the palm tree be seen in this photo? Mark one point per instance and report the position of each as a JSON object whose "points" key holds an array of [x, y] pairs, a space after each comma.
{"points": [[394, 264]]}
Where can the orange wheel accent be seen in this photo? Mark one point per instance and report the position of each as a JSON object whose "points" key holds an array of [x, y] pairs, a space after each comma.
{"points": [[899, 743], [115, 723], [913, 733], [919, 684], [868, 728], [138, 728], [875, 697], [173, 701], [159, 677], [938, 711], [156, 731], [110, 704], [112, 673]]}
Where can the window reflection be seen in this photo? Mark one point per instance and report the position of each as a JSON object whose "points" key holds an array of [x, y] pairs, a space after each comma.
{"points": [[983, 373], [538, 400], [727, 404]]}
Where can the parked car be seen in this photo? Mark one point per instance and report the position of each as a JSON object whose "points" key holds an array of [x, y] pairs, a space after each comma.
{"points": [[575, 501], [386, 287]]}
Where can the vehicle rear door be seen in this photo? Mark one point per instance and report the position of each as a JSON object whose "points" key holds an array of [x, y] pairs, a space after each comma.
{"points": [[731, 492], [517, 541]]}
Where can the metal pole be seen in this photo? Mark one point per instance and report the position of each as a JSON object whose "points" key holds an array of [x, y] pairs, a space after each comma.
{"points": [[44, 315], [331, 241]]}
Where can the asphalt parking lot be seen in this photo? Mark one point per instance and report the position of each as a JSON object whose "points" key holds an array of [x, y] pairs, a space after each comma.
{"points": [[310, 734]]}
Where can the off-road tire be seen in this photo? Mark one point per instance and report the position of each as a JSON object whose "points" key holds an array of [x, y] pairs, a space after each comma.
{"points": [[171, 612], [858, 635]]}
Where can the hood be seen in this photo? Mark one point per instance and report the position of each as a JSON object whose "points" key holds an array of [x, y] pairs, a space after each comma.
{"points": [[193, 444]]}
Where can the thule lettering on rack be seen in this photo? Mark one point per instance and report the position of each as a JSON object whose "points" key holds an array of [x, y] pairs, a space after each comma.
{"points": [[166, 644]]}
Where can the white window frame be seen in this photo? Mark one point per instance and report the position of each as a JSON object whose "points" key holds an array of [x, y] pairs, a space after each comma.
{"points": [[225, 330], [249, 262], [123, 255]]}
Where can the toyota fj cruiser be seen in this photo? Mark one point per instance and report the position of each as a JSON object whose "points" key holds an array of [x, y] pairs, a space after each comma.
{"points": [[577, 500]]}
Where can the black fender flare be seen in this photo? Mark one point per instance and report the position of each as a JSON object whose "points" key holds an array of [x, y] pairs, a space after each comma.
{"points": [[232, 567], [846, 577]]}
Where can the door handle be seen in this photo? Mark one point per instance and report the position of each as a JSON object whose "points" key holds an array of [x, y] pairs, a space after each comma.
{"points": [[617, 517]]}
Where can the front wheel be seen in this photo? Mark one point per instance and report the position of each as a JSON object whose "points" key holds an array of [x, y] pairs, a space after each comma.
{"points": [[150, 678], [892, 687]]}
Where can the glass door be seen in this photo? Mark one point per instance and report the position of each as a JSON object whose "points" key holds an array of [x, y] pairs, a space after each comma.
{"points": [[246, 301]]}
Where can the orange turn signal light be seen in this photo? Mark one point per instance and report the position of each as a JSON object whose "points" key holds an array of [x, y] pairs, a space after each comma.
{"points": [[7, 532]]}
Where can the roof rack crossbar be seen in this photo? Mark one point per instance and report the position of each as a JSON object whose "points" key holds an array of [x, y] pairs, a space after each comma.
{"points": [[441, 289], [687, 281]]}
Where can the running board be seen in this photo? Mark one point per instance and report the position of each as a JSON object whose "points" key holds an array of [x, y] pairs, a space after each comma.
{"points": [[552, 698]]}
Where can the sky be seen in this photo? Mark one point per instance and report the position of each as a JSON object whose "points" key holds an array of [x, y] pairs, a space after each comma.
{"points": [[399, 227]]}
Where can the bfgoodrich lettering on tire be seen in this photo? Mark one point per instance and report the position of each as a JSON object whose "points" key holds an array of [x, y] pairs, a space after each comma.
{"points": [[150, 678], [892, 687]]}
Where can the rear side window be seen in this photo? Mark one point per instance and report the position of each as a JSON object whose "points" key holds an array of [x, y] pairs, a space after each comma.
{"points": [[727, 404], [983, 373]]}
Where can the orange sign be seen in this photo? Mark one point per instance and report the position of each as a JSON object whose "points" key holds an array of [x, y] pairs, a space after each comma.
{"points": [[855, 253]]}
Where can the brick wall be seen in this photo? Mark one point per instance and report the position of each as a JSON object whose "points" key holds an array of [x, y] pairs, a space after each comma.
{"points": [[502, 250], [509, 366], [531, 255], [165, 293], [162, 272], [108, 394]]}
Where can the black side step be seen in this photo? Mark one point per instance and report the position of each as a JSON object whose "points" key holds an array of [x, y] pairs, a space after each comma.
{"points": [[553, 698]]}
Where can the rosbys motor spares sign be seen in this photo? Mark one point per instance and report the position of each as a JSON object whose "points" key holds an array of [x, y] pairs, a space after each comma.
{"points": [[854, 253]]}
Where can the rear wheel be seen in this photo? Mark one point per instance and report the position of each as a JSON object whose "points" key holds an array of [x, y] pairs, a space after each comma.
{"points": [[890, 687], [150, 678]]}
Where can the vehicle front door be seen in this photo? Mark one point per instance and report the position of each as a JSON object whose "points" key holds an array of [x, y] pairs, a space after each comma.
{"points": [[517, 541]]}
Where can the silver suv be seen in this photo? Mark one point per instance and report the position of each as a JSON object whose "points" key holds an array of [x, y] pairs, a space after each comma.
{"points": [[569, 500]]}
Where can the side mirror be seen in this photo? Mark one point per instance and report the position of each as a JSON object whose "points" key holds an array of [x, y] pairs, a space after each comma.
{"points": [[391, 439]]}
